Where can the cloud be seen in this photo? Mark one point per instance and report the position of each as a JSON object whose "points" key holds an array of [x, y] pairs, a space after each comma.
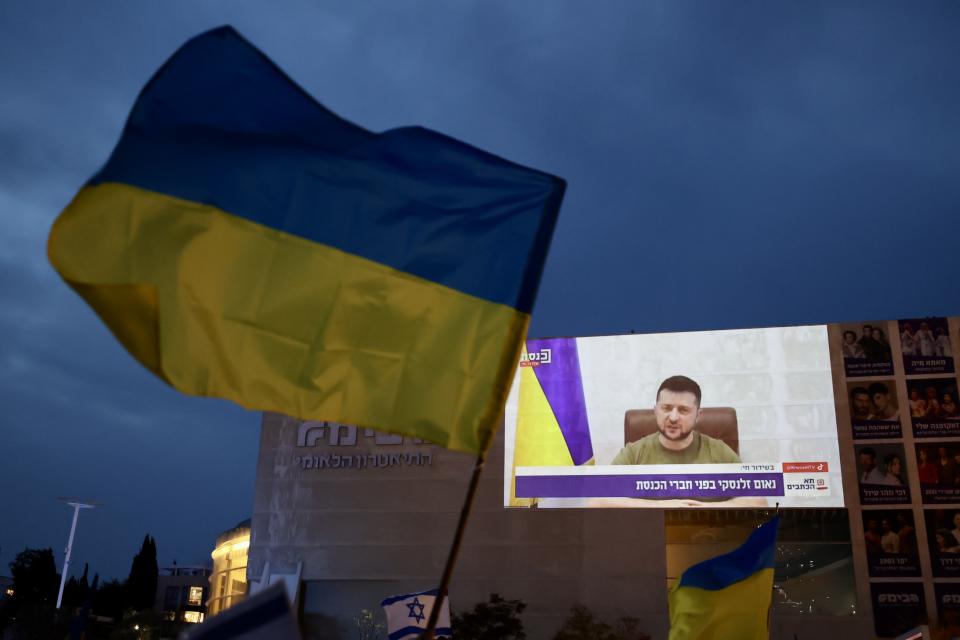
{"points": [[727, 166]]}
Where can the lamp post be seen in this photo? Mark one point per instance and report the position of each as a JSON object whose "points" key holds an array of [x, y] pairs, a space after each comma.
{"points": [[77, 505]]}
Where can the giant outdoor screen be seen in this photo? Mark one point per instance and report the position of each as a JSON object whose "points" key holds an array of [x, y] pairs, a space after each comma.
{"points": [[741, 418]]}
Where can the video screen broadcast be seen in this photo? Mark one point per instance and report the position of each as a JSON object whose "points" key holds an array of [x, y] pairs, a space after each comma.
{"points": [[740, 419]]}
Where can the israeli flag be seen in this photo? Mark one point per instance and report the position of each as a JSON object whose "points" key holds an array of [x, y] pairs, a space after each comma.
{"points": [[407, 615]]}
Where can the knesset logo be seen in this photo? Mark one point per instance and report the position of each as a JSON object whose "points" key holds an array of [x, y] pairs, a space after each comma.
{"points": [[536, 358], [309, 434], [898, 598]]}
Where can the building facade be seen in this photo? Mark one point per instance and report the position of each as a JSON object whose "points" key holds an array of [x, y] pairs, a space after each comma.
{"points": [[182, 593], [228, 580], [372, 515]]}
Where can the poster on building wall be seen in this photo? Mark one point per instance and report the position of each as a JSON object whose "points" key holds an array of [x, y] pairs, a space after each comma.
{"points": [[948, 603], [890, 537], [882, 474], [741, 418], [938, 468], [866, 349], [874, 409], [926, 346], [943, 541], [933, 407], [897, 607], [891, 413]]}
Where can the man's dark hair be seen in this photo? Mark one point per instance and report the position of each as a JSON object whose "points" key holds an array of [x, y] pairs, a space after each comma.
{"points": [[680, 384], [868, 326], [858, 391], [878, 387], [867, 451], [852, 333]]}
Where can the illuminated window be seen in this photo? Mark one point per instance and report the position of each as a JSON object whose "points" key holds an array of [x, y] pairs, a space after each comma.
{"points": [[196, 596], [192, 616]]}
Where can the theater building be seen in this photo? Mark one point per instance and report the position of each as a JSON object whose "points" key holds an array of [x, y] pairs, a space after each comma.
{"points": [[228, 580], [364, 515]]}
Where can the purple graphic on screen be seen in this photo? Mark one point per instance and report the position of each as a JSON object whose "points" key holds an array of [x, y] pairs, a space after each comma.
{"points": [[556, 364], [705, 485]]}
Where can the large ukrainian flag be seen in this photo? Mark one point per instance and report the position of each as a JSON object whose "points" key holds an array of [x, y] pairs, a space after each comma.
{"points": [[728, 596], [244, 242]]}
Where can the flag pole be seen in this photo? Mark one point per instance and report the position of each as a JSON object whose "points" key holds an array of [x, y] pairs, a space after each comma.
{"points": [[455, 547], [77, 505]]}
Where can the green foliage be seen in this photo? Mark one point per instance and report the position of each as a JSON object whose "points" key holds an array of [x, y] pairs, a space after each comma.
{"points": [[142, 625], [35, 579], [30, 612], [367, 626], [629, 629], [31, 621], [584, 625], [108, 600], [497, 619], [76, 592]]}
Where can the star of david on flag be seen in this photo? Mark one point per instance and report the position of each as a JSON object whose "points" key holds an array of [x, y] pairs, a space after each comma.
{"points": [[416, 610], [407, 615]]}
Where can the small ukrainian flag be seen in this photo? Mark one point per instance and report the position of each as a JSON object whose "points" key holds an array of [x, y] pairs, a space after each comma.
{"points": [[728, 596]]}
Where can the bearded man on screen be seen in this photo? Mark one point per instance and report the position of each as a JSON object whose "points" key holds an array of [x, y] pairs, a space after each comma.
{"points": [[677, 440]]}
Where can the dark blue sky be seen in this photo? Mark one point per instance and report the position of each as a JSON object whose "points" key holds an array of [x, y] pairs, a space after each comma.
{"points": [[729, 165]]}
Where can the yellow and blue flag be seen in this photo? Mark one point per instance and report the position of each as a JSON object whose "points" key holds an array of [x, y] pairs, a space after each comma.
{"points": [[728, 596], [244, 242], [552, 424]]}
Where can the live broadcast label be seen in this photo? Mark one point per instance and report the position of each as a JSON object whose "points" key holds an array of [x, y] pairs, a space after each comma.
{"points": [[862, 368], [884, 494], [876, 429], [914, 365], [924, 428]]}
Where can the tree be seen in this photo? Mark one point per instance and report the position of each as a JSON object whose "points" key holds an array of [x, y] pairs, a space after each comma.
{"points": [[30, 612], [368, 627], [35, 579], [141, 585], [497, 619], [75, 591], [582, 624], [108, 599]]}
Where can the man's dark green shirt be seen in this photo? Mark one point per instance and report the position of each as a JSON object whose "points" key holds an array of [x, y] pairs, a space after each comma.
{"points": [[703, 450]]}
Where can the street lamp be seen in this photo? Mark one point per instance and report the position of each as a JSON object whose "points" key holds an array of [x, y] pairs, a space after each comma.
{"points": [[77, 505]]}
